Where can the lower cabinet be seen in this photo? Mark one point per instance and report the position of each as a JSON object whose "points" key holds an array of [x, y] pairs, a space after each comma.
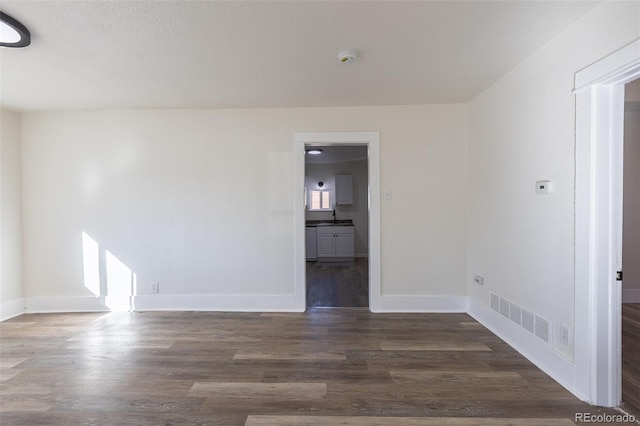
{"points": [[335, 242]]}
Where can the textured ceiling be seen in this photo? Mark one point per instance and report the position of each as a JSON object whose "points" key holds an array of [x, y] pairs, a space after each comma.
{"points": [[204, 54]]}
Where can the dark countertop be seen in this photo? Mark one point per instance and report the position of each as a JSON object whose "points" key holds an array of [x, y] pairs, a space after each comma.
{"points": [[312, 223]]}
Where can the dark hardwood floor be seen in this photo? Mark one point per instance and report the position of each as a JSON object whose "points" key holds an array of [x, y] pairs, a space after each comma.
{"points": [[338, 286], [631, 358], [325, 366]]}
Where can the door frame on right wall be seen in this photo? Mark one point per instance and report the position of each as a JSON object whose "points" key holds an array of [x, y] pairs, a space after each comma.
{"points": [[598, 224]]}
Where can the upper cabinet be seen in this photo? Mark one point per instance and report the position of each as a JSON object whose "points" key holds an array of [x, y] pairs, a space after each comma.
{"points": [[344, 189]]}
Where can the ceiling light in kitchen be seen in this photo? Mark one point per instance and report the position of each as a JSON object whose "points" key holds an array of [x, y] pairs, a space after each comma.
{"points": [[13, 33]]}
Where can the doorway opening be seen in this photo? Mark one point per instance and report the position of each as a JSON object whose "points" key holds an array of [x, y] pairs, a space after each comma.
{"points": [[334, 231], [337, 226], [597, 339], [631, 251]]}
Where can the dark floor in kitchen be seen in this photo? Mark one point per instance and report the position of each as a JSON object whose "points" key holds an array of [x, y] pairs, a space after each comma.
{"points": [[338, 286]]}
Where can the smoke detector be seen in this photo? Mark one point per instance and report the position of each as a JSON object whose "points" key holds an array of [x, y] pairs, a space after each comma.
{"points": [[347, 57]]}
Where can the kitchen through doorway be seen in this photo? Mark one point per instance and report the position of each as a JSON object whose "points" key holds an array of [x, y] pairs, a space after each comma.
{"points": [[630, 370], [337, 226]]}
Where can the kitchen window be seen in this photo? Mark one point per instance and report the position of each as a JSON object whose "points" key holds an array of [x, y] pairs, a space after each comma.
{"points": [[319, 199]]}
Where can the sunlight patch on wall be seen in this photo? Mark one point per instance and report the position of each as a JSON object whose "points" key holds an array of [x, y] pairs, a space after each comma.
{"points": [[107, 276], [120, 280]]}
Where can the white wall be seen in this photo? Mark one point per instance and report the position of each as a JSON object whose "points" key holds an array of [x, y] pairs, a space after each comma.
{"points": [[521, 130], [358, 211], [631, 212], [201, 201], [11, 294]]}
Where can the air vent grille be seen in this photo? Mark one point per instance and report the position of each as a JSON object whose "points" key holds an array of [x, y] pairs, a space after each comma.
{"points": [[495, 302], [504, 307], [537, 326], [527, 321], [515, 314], [542, 328]]}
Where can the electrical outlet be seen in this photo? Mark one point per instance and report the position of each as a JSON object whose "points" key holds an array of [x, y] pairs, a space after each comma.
{"points": [[155, 287], [543, 187], [478, 280], [564, 334]]}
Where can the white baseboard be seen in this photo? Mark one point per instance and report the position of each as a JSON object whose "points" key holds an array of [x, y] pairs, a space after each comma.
{"points": [[157, 302], [218, 302], [631, 295], [423, 304], [11, 309], [543, 356], [230, 303], [37, 305]]}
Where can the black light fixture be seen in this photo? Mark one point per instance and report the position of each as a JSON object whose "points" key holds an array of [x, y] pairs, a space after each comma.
{"points": [[13, 33]]}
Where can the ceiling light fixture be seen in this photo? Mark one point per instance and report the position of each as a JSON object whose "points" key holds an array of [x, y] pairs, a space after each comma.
{"points": [[347, 57], [314, 151], [13, 33]]}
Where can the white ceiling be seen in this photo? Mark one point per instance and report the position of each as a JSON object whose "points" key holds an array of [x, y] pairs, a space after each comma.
{"points": [[209, 54], [337, 154]]}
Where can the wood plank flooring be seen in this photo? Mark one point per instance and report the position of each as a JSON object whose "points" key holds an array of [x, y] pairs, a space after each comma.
{"points": [[631, 357], [326, 366], [338, 286]]}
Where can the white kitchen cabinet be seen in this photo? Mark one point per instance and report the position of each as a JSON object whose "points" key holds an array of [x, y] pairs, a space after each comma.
{"points": [[326, 244], [345, 244], [344, 189], [335, 242]]}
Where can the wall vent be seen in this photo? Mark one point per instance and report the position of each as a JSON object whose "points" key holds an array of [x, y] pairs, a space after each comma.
{"points": [[504, 307], [527, 321], [495, 302], [537, 326], [542, 328], [515, 314]]}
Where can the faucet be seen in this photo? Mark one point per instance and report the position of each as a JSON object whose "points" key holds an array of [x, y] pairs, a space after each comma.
{"points": [[334, 215]]}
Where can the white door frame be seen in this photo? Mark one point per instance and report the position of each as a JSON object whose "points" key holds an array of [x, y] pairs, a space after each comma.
{"points": [[598, 239], [372, 141]]}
